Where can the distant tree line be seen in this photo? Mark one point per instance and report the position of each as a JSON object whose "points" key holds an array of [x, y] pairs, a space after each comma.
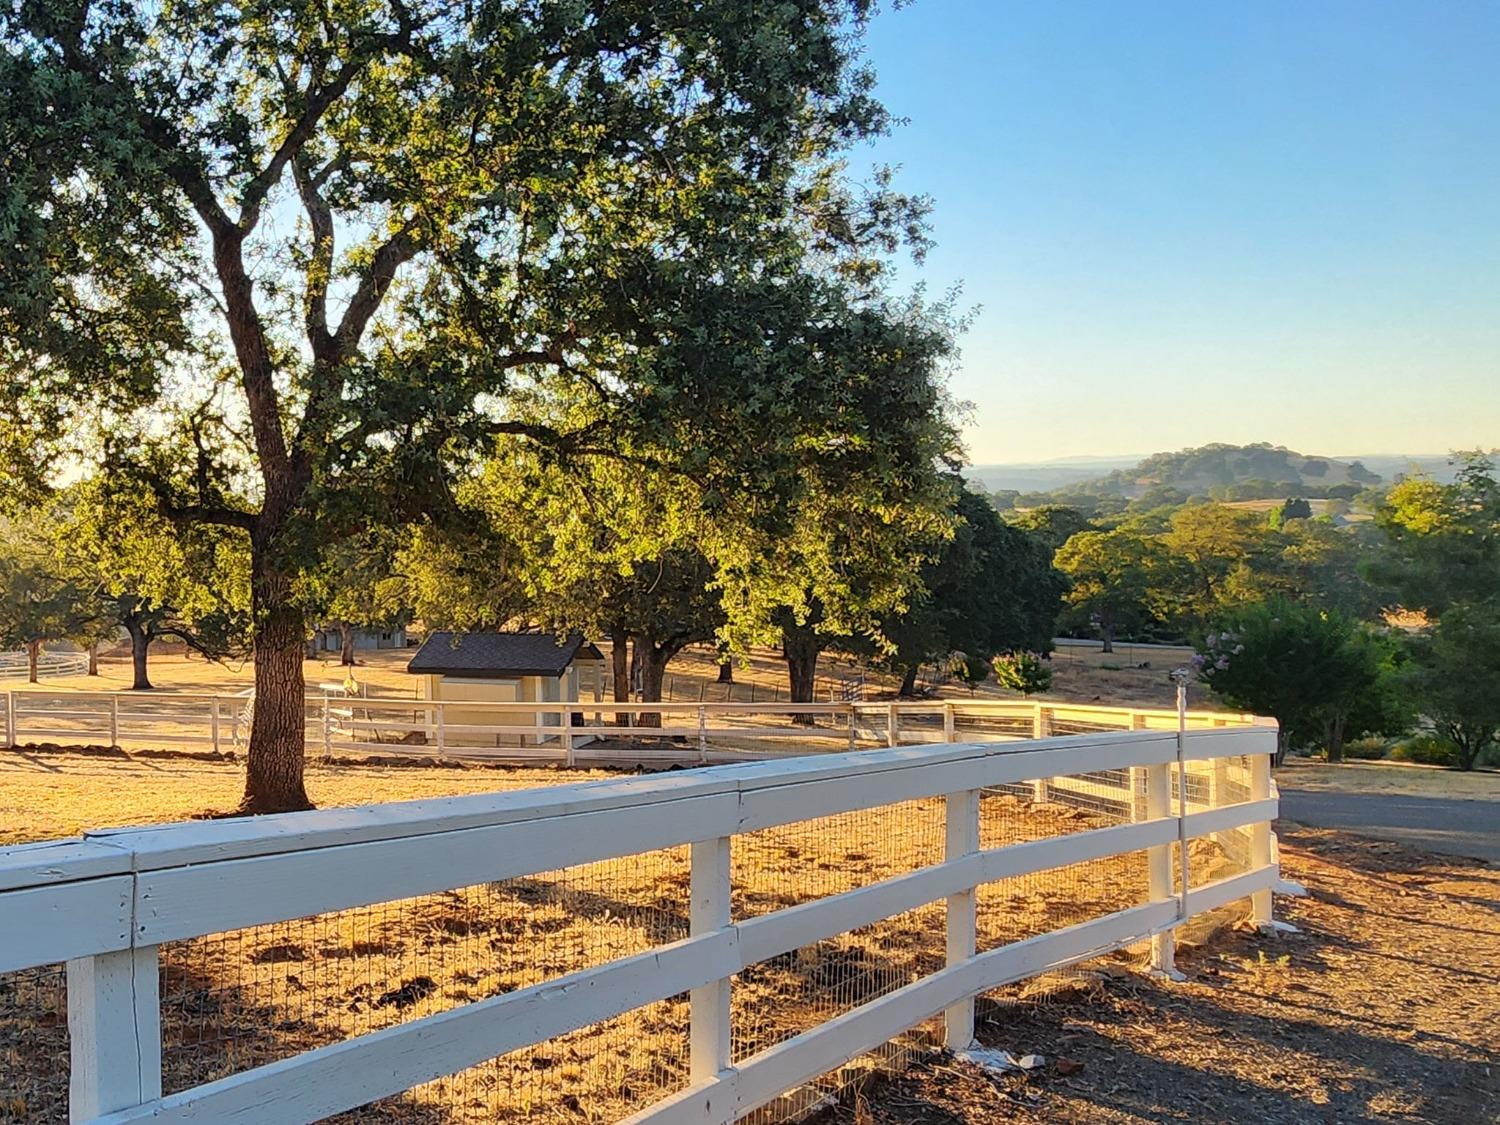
{"points": [[1385, 629]]}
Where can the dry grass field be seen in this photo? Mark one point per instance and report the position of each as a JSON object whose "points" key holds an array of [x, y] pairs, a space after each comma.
{"points": [[1131, 675], [1402, 779], [236, 1000]]}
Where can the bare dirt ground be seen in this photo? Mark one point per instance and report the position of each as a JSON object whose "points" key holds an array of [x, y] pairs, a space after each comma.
{"points": [[1386, 1007]]}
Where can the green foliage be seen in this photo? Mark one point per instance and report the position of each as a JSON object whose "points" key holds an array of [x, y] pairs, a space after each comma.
{"points": [[990, 589], [1319, 674], [1054, 523], [1025, 672], [1443, 540], [1370, 749], [39, 600], [1454, 679], [1425, 750], [1111, 575]]}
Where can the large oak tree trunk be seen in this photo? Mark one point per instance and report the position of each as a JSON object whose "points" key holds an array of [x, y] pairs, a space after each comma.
{"points": [[908, 682], [94, 659], [33, 659], [800, 647], [1107, 631], [620, 664], [274, 764], [346, 643], [140, 647], [651, 662], [726, 672]]}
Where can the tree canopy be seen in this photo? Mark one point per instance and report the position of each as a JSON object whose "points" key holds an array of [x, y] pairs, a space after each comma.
{"points": [[291, 268]]}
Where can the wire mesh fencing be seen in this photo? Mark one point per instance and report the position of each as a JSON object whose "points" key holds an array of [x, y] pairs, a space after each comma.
{"points": [[237, 1000], [234, 1001]]}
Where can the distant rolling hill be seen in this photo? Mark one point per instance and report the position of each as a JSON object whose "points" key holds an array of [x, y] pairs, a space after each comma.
{"points": [[1219, 471]]}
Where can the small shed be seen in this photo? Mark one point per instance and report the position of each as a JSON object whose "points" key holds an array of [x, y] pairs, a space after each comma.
{"points": [[505, 668]]}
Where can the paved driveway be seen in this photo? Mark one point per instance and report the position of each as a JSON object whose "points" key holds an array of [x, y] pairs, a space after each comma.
{"points": [[1435, 824]]}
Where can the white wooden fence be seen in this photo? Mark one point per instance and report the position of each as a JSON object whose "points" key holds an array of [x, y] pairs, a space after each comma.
{"points": [[107, 902], [565, 733], [17, 665]]}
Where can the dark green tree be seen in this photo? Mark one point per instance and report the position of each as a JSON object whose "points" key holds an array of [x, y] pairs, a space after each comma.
{"points": [[1309, 669], [1454, 679], [1110, 575]]}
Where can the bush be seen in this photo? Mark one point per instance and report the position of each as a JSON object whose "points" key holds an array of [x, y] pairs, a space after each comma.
{"points": [[1024, 672], [1425, 750], [1367, 749]]}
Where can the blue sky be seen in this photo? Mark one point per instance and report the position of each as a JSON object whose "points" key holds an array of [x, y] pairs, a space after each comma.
{"points": [[1210, 221]]}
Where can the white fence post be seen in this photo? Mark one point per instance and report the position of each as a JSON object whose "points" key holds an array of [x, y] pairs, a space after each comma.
{"points": [[1261, 854], [892, 729], [949, 731], [569, 759], [327, 731], [1041, 727], [114, 1027], [10, 718], [708, 1038], [961, 838], [439, 720], [213, 722], [702, 734], [853, 733], [114, 721], [1159, 865]]}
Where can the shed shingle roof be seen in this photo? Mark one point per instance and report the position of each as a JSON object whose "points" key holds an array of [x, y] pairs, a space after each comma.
{"points": [[499, 655]]}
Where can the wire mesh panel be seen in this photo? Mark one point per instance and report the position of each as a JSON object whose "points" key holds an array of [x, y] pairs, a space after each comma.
{"points": [[237, 1000], [781, 997], [34, 1045]]}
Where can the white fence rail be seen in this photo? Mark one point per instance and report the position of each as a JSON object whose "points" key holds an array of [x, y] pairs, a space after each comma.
{"points": [[119, 905], [569, 733]]}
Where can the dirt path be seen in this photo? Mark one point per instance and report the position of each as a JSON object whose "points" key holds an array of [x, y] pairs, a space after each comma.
{"points": [[1385, 1008]]}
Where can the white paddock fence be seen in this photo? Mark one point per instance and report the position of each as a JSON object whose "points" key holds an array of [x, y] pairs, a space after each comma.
{"points": [[17, 665], [572, 734], [698, 947]]}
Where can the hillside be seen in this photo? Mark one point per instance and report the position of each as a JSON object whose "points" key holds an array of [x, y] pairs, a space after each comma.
{"points": [[1218, 471], [1233, 470], [1261, 471]]}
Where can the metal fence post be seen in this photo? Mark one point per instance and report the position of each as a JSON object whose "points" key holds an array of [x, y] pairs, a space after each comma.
{"points": [[961, 838], [1159, 865], [114, 1030], [708, 1037]]}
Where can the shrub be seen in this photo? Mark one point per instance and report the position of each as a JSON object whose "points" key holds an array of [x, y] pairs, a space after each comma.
{"points": [[1024, 672], [1367, 749], [1426, 750]]}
